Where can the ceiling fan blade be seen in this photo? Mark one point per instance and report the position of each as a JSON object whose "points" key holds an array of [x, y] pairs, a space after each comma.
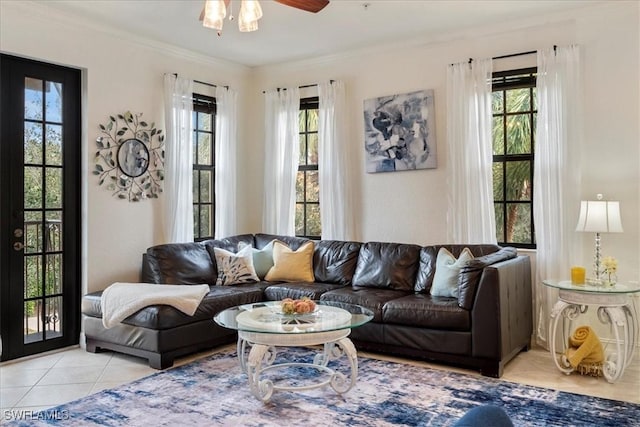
{"points": [[313, 6]]}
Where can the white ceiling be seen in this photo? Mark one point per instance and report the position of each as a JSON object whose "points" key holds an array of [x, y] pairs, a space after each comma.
{"points": [[287, 34]]}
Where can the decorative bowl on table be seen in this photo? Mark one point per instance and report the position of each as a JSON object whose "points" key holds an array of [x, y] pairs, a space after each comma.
{"points": [[298, 311]]}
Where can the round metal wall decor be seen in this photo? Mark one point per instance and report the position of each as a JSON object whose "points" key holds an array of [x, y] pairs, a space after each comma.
{"points": [[130, 157]]}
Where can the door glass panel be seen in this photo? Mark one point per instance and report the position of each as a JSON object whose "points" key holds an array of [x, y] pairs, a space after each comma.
{"points": [[53, 143], [54, 188], [33, 143], [33, 236], [53, 106], [33, 98], [53, 317], [32, 276], [53, 231], [32, 187], [53, 284], [33, 321]]}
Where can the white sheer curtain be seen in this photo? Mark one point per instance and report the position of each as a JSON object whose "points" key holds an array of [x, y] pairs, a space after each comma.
{"points": [[226, 162], [333, 163], [178, 105], [556, 179], [282, 149], [470, 216]]}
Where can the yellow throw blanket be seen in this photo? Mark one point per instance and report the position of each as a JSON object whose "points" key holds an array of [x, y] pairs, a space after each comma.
{"points": [[584, 347]]}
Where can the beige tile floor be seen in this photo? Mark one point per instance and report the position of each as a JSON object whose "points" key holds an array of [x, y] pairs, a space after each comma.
{"points": [[52, 379]]}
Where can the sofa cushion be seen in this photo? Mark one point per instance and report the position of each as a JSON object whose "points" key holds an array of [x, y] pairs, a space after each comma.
{"points": [[421, 310], [235, 268], [387, 265], [445, 279], [261, 240], [180, 263], [165, 317], [372, 298], [313, 290], [291, 265], [335, 261], [429, 254], [472, 271]]}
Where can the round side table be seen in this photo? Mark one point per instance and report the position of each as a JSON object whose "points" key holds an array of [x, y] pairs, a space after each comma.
{"points": [[614, 307]]}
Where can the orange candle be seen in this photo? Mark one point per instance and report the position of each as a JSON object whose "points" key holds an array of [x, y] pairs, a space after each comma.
{"points": [[578, 275]]}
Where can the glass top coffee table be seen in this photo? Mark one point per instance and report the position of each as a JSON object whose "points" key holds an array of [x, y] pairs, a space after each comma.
{"points": [[263, 326]]}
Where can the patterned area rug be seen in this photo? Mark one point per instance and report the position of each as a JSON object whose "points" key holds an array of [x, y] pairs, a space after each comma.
{"points": [[214, 392]]}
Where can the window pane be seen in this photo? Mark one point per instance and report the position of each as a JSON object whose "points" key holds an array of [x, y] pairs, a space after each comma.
{"points": [[299, 220], [518, 180], [53, 107], [32, 143], [205, 221], [535, 99], [206, 184], [33, 321], [313, 193], [301, 120], [302, 159], [32, 276], [33, 235], [53, 231], [204, 149], [498, 135], [518, 134], [53, 143], [518, 223], [53, 268], [498, 177], [497, 102], [196, 186], [313, 149], [499, 222], [204, 121], [196, 221], [32, 187], [300, 187], [313, 220], [33, 99], [518, 100], [194, 142], [53, 317], [312, 120], [54, 188]]}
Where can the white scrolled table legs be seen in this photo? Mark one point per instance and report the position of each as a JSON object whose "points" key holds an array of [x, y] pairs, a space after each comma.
{"points": [[613, 310], [262, 355]]}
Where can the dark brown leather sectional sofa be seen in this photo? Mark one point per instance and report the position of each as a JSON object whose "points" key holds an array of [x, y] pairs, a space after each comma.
{"points": [[486, 326]]}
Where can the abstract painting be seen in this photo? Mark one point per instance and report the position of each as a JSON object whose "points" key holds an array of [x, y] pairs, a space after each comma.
{"points": [[399, 132]]}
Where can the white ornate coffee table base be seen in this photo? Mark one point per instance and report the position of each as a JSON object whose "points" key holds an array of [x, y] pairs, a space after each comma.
{"points": [[262, 354], [613, 309]]}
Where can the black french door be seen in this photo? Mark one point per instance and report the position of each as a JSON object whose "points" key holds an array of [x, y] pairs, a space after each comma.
{"points": [[40, 210]]}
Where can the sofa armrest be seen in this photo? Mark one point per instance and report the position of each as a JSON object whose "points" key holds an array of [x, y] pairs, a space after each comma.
{"points": [[501, 317]]}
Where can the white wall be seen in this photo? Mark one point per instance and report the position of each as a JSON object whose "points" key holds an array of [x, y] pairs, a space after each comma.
{"points": [[121, 73], [411, 206]]}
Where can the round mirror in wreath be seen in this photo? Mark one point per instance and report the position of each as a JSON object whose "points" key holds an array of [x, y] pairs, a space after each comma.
{"points": [[130, 157]]}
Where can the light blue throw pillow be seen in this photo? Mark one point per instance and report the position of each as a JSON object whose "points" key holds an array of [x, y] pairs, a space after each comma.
{"points": [[445, 280], [263, 259]]}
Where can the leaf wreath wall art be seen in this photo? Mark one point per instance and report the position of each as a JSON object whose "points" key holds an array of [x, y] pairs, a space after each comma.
{"points": [[130, 157]]}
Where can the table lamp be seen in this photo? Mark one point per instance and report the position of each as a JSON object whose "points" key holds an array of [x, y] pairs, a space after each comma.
{"points": [[599, 216]]}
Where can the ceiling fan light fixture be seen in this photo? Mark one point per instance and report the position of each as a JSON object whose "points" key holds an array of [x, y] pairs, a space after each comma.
{"points": [[250, 13], [214, 14]]}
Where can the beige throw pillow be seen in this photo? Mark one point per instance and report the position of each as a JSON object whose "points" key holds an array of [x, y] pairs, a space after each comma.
{"points": [[291, 266], [445, 280]]}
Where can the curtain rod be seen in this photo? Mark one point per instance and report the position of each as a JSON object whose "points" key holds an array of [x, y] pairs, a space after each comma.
{"points": [[204, 83], [301, 87], [512, 55]]}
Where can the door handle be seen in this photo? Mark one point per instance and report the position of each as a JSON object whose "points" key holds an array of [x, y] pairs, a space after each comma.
{"points": [[18, 246], [18, 232]]}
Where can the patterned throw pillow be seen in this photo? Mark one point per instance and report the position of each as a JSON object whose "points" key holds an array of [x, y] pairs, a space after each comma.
{"points": [[235, 268], [445, 280]]}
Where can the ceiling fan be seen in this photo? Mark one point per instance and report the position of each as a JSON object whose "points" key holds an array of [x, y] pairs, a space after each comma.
{"points": [[214, 12]]}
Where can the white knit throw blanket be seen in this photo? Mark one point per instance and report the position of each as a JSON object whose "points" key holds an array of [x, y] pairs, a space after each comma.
{"points": [[121, 300]]}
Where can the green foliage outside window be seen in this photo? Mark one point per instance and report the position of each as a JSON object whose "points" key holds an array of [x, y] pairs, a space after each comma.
{"points": [[307, 221]]}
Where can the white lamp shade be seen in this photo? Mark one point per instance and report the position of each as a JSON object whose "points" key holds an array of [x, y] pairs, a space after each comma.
{"points": [[599, 216], [214, 13], [250, 12]]}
